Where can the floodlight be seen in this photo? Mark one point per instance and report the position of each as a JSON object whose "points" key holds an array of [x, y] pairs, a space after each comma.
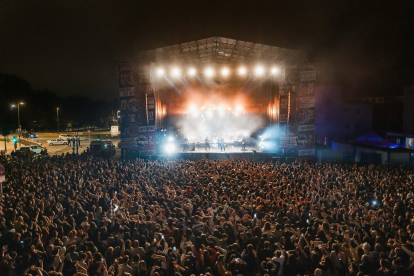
{"points": [[192, 72], [175, 72], [209, 72], [274, 71], [259, 70], [225, 72], [160, 72]]}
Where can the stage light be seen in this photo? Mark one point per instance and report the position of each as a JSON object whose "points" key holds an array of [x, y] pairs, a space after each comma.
{"points": [[225, 72], [274, 71], [259, 71], [242, 71], [193, 109], [169, 148], [239, 108], [192, 72], [170, 139], [175, 72], [160, 72], [209, 72]]}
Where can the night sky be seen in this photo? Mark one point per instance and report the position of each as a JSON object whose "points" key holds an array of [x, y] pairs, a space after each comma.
{"points": [[71, 46]]}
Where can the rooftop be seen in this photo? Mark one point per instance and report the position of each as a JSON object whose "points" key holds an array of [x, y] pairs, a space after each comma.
{"points": [[219, 50]]}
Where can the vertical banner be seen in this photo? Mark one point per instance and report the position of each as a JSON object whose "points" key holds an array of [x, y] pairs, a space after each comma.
{"points": [[150, 109], [298, 138], [129, 106]]}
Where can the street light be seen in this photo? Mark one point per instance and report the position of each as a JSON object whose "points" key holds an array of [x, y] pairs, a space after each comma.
{"points": [[18, 113], [117, 116], [57, 112]]}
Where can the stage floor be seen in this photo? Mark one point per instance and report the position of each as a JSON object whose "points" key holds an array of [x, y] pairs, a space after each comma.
{"points": [[229, 149]]}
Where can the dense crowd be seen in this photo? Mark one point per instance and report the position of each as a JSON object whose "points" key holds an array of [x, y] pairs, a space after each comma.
{"points": [[80, 215]]}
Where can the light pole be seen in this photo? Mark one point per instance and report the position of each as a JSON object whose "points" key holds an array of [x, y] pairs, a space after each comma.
{"points": [[18, 114], [57, 112], [117, 116]]}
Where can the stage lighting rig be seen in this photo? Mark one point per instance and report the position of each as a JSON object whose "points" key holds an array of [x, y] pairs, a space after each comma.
{"points": [[192, 72], [160, 72], [209, 72], [274, 71], [225, 72], [242, 71], [259, 71], [175, 72]]}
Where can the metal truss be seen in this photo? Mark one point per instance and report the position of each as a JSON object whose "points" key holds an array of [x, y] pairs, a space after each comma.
{"points": [[218, 50]]}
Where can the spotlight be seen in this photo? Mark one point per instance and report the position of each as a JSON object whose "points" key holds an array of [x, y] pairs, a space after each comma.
{"points": [[169, 148], [160, 72], [175, 72], [259, 70], [274, 71], [209, 72], [170, 139], [225, 72], [242, 71], [239, 108], [192, 72], [193, 109]]}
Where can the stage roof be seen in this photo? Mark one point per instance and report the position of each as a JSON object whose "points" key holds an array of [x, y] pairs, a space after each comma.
{"points": [[219, 50]]}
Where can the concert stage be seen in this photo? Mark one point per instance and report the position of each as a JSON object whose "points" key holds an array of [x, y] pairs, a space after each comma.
{"points": [[232, 152]]}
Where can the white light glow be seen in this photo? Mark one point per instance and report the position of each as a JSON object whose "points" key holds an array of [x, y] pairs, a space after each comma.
{"points": [[259, 70], [225, 72], [274, 71], [192, 72], [239, 108], [170, 139], [209, 72], [242, 71], [170, 148], [175, 72], [160, 72], [193, 109]]}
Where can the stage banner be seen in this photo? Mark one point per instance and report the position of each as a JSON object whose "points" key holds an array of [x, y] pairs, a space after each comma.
{"points": [[129, 106], [150, 108], [146, 140], [297, 110]]}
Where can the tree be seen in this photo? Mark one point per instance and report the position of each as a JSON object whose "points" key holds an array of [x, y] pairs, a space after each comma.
{"points": [[6, 130]]}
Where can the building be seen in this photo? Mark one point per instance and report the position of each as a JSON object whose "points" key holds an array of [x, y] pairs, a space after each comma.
{"points": [[387, 113], [408, 117], [338, 120]]}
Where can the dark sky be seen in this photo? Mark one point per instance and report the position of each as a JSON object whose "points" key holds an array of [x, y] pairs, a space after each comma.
{"points": [[70, 46]]}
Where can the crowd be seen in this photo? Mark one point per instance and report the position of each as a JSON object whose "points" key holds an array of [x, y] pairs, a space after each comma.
{"points": [[79, 215]]}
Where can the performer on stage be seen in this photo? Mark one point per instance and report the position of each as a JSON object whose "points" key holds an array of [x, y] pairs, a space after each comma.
{"points": [[222, 145], [207, 144], [244, 140], [185, 144]]}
